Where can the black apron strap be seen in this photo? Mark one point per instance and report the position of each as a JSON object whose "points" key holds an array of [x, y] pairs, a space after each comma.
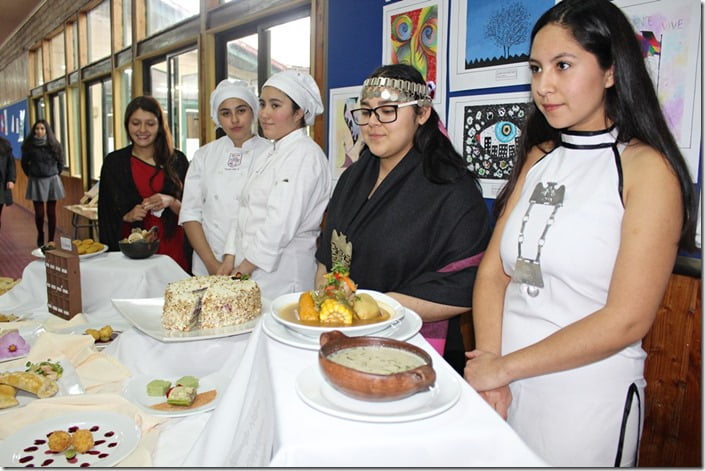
{"points": [[633, 391]]}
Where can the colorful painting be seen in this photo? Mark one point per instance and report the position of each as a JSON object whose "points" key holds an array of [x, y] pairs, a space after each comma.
{"points": [[344, 138], [490, 42], [669, 35], [14, 125], [415, 34], [486, 129]]}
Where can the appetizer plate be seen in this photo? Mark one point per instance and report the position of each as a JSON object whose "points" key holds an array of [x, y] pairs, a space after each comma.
{"points": [[136, 392], [402, 329], [315, 391], [81, 330], [146, 315], [69, 384], [396, 310], [38, 253], [115, 435], [28, 332]]}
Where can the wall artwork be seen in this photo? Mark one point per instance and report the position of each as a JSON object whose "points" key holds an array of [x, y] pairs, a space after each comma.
{"points": [[344, 138], [414, 33], [489, 42], [485, 130], [669, 32], [14, 124]]}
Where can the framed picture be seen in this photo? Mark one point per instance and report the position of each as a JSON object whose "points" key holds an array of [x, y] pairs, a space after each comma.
{"points": [[669, 32], [485, 130], [414, 33], [344, 139], [489, 42]]}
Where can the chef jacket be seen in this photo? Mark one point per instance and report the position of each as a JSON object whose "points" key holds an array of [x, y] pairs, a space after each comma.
{"points": [[215, 177], [281, 208]]}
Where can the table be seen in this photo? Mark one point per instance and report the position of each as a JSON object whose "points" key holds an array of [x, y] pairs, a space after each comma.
{"points": [[260, 420], [88, 212]]}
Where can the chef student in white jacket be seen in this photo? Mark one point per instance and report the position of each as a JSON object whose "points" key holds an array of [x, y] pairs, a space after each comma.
{"points": [[283, 201], [218, 172]]}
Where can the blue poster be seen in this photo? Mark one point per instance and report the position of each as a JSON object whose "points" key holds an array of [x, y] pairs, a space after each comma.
{"points": [[14, 125]]}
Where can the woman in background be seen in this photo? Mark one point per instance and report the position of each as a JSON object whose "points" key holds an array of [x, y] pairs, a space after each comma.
{"points": [[42, 162], [8, 173], [141, 184], [217, 174], [588, 231], [284, 198]]}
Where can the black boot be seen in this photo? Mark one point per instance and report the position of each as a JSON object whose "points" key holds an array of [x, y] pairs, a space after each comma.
{"points": [[40, 239]]}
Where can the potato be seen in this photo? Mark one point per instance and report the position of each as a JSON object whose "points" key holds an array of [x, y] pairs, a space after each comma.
{"points": [[365, 306], [105, 333]]}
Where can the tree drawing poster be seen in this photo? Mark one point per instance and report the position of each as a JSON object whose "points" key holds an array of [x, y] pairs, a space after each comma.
{"points": [[489, 45], [344, 137], [415, 34], [485, 130], [669, 34]]}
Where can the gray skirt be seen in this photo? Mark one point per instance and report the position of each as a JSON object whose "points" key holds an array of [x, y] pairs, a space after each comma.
{"points": [[45, 189]]}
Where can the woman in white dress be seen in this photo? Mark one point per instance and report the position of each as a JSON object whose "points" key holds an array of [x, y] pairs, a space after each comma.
{"points": [[283, 201], [217, 174], [588, 229]]}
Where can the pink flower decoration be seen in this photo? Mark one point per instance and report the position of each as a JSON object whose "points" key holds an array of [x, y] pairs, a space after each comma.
{"points": [[13, 345]]}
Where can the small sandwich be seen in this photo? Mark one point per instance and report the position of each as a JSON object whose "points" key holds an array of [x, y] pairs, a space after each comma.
{"points": [[181, 396]]}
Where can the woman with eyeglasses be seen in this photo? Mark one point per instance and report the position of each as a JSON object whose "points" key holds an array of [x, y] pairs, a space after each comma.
{"points": [[408, 218]]}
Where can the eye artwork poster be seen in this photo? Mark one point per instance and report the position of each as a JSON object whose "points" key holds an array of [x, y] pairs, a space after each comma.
{"points": [[485, 130]]}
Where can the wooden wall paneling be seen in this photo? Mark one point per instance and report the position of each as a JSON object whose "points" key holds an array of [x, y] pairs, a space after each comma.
{"points": [[673, 408]]}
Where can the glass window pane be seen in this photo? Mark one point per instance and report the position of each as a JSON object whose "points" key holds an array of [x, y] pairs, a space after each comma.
{"points": [[126, 23], [242, 60], [125, 97], [184, 103], [158, 86], [74, 27], [109, 129], [38, 67], [58, 57], [291, 46], [95, 129], [39, 109], [98, 20], [75, 129], [58, 121], [163, 13]]}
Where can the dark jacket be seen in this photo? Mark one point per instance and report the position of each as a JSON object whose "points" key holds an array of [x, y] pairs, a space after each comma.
{"points": [[8, 172], [118, 194], [41, 161]]}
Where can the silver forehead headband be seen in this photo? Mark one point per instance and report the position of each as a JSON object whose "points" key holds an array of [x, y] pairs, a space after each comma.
{"points": [[394, 89]]}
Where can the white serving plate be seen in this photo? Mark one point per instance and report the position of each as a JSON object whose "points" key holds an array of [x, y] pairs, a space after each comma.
{"points": [[29, 333], [146, 315], [135, 391], [117, 436], [390, 304], [69, 384], [38, 253], [403, 329], [315, 391]]}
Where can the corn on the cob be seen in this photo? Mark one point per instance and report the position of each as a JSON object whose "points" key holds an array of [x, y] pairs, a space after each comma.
{"points": [[334, 311], [307, 307]]}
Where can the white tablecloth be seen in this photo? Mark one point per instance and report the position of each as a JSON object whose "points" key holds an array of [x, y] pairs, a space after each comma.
{"points": [[105, 276]]}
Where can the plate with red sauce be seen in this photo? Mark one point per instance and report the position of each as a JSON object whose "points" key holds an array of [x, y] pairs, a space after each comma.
{"points": [[115, 436]]}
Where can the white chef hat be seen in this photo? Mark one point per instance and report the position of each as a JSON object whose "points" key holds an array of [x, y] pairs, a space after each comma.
{"points": [[301, 88], [232, 89]]}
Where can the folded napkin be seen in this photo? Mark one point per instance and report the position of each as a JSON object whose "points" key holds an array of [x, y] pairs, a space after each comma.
{"points": [[39, 410], [57, 323]]}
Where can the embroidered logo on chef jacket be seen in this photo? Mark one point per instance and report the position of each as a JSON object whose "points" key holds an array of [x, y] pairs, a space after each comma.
{"points": [[234, 160]]}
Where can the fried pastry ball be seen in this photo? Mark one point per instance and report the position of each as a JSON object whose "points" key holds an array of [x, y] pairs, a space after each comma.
{"points": [[59, 441], [105, 333], [82, 440]]}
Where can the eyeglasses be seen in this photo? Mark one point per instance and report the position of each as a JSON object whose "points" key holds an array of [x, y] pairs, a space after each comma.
{"points": [[383, 113]]}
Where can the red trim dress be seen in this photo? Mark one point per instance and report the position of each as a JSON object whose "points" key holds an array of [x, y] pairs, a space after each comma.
{"points": [[173, 246]]}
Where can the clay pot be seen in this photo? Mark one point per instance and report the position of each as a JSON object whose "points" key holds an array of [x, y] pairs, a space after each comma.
{"points": [[370, 386]]}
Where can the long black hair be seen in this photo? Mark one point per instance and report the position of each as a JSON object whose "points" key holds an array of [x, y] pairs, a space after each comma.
{"points": [[163, 144], [54, 145], [602, 29], [441, 162]]}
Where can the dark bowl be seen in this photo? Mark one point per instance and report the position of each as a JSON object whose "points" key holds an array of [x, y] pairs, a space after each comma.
{"points": [[373, 386], [139, 249]]}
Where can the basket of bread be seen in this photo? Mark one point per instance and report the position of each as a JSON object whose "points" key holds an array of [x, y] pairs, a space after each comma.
{"points": [[141, 243]]}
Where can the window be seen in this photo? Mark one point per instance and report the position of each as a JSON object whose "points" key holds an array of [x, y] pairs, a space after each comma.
{"points": [[38, 64], [58, 120], [72, 46], [98, 21], [126, 23], [74, 154], [174, 83], [100, 124], [57, 67], [125, 94], [163, 13], [39, 110]]}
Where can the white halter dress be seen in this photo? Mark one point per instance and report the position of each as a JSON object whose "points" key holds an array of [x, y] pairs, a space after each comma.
{"points": [[559, 246]]}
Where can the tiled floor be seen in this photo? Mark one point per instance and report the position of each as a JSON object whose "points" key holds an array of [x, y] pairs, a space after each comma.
{"points": [[18, 238]]}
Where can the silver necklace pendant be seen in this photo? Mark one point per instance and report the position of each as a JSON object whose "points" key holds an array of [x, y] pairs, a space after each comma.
{"points": [[529, 272]]}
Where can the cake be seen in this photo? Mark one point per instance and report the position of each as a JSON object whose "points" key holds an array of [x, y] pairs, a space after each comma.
{"points": [[12, 344], [203, 302]]}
